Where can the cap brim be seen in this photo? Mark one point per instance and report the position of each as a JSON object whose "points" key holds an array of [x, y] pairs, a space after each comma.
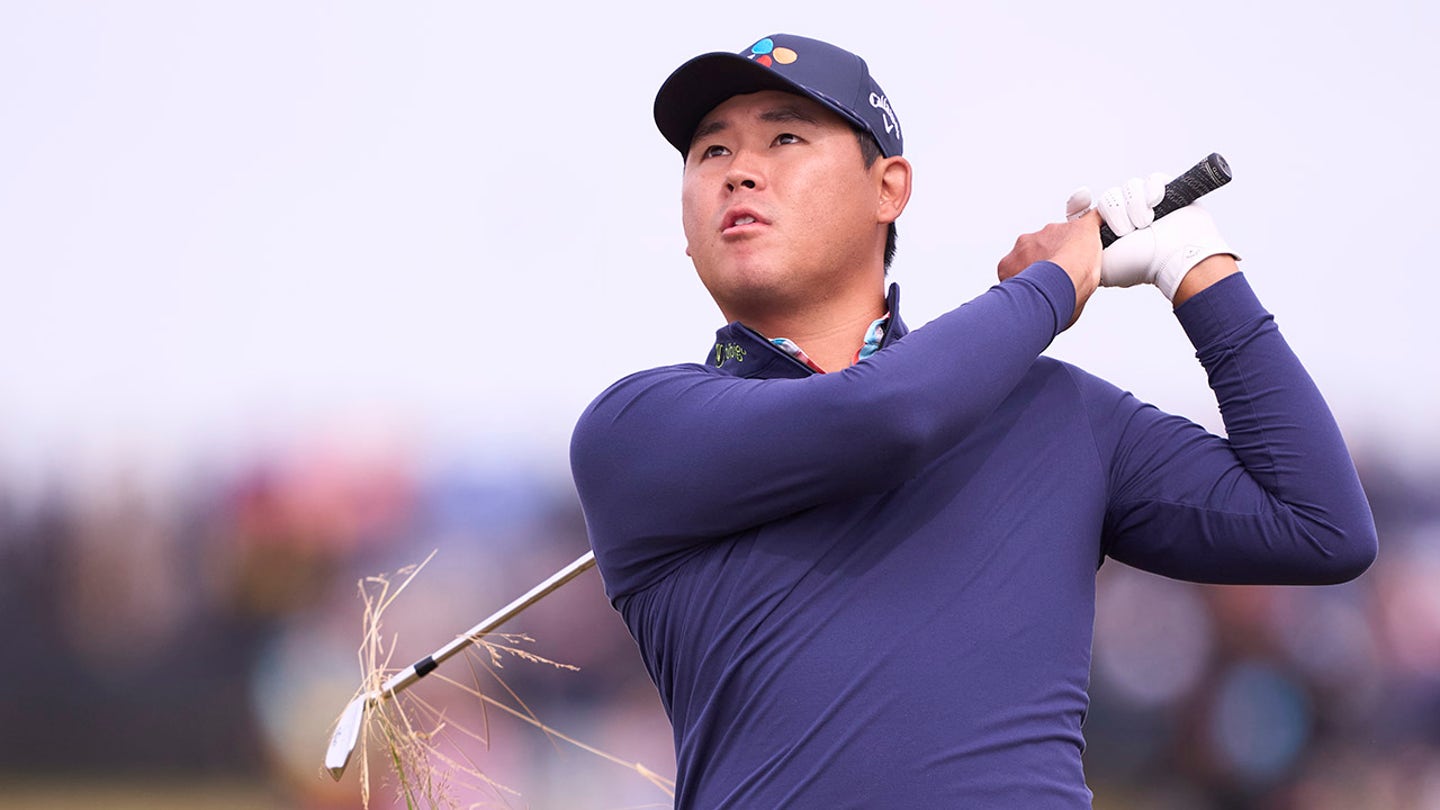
{"points": [[703, 83]]}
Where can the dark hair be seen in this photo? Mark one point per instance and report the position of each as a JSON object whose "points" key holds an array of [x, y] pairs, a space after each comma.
{"points": [[870, 152]]}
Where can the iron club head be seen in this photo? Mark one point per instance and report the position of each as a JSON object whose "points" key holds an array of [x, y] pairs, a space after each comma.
{"points": [[347, 733]]}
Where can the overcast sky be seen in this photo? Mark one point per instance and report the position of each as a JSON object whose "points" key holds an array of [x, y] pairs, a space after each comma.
{"points": [[227, 221]]}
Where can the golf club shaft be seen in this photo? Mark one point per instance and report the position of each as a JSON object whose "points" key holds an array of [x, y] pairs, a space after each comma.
{"points": [[409, 675]]}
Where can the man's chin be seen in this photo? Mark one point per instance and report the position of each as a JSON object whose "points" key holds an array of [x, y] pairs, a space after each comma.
{"points": [[753, 302]]}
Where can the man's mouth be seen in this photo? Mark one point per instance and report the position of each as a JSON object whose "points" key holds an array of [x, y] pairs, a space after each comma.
{"points": [[739, 219]]}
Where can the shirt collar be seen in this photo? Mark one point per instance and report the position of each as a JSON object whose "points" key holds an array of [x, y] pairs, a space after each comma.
{"points": [[743, 352]]}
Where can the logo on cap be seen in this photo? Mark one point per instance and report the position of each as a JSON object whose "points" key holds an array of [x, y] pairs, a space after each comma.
{"points": [[892, 124], [767, 54]]}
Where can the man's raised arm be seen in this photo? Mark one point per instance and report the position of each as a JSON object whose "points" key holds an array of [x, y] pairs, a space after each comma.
{"points": [[1279, 500]]}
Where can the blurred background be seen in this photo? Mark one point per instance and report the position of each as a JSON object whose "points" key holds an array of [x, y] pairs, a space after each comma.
{"points": [[298, 293]]}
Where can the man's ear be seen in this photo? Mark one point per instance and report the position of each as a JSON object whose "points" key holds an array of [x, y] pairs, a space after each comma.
{"points": [[893, 177]]}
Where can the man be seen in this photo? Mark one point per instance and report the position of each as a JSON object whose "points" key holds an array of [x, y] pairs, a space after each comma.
{"points": [[860, 563]]}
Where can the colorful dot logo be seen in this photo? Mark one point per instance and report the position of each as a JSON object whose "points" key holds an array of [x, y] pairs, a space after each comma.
{"points": [[767, 54]]}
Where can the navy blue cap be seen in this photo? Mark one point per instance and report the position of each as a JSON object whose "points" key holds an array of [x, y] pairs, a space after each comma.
{"points": [[834, 77]]}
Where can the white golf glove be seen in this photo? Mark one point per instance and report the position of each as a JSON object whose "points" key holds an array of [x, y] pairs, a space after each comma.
{"points": [[1150, 251]]}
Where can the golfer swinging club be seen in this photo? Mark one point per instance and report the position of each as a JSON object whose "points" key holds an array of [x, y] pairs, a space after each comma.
{"points": [[859, 560]]}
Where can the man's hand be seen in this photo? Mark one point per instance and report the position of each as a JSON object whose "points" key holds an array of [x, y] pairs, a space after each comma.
{"points": [[1074, 245], [1150, 251]]}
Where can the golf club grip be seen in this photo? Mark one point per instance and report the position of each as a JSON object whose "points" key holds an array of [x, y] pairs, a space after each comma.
{"points": [[1199, 180]]}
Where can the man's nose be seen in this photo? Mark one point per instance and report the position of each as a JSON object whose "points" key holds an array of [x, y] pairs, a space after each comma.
{"points": [[743, 174]]}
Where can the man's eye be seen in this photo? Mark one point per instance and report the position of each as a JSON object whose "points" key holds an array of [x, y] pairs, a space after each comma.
{"points": [[714, 151], [786, 137]]}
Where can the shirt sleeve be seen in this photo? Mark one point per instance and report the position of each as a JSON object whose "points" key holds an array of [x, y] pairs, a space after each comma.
{"points": [[669, 458], [1278, 502]]}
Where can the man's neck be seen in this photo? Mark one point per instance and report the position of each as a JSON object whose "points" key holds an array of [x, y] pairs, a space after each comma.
{"points": [[829, 337]]}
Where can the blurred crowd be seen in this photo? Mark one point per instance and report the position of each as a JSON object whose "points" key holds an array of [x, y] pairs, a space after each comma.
{"points": [[208, 627], [1270, 697]]}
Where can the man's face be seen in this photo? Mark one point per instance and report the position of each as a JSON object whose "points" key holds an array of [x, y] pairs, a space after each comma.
{"points": [[779, 208]]}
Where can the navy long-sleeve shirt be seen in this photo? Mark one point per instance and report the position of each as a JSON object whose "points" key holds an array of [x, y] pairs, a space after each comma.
{"points": [[876, 587]]}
